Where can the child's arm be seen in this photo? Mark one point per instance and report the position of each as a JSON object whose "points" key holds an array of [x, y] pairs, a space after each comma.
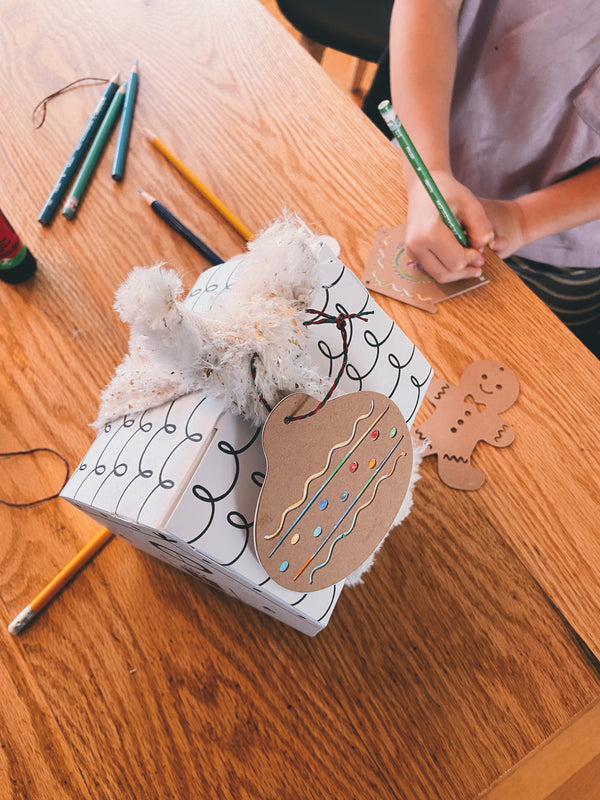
{"points": [[571, 202], [422, 68]]}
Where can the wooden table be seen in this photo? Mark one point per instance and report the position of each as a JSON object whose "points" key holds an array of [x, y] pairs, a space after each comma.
{"points": [[475, 637]]}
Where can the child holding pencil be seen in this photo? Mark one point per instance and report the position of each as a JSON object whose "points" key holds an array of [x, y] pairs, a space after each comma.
{"points": [[502, 100]]}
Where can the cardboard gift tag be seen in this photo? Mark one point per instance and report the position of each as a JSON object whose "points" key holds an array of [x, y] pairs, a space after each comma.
{"points": [[334, 484], [389, 271]]}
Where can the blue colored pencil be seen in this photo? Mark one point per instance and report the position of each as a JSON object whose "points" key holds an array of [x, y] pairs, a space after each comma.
{"points": [[118, 169], [180, 228], [74, 160]]}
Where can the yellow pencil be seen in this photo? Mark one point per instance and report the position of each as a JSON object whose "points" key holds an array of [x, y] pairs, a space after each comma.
{"points": [[197, 183], [56, 584]]}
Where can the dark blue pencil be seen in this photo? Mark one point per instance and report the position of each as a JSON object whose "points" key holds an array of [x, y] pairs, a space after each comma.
{"points": [[180, 228], [79, 151]]}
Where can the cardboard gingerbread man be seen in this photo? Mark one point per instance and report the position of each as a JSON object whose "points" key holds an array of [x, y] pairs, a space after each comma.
{"points": [[465, 415]]}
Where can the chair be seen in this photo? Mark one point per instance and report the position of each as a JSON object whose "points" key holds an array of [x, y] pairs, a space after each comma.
{"points": [[359, 29]]}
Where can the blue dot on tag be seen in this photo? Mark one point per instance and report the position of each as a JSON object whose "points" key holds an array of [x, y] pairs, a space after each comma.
{"points": [[284, 565], [323, 504], [318, 531]]}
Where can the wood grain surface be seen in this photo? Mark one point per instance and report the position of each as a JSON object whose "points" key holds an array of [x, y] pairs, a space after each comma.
{"points": [[475, 637]]}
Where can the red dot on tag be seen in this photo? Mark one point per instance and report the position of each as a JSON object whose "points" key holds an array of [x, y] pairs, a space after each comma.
{"points": [[374, 435], [354, 466]]}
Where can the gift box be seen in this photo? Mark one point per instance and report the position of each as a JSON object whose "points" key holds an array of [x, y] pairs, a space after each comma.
{"points": [[181, 480]]}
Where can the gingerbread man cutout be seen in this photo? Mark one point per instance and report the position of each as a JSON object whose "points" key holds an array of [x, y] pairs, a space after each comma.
{"points": [[465, 415]]}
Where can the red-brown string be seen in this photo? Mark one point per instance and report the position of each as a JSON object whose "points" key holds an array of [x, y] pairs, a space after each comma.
{"points": [[319, 318], [43, 499]]}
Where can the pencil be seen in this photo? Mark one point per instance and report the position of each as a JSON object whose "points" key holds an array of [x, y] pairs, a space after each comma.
{"points": [[410, 151], [197, 183], [60, 581], [180, 228], [118, 168], [74, 160], [84, 175]]}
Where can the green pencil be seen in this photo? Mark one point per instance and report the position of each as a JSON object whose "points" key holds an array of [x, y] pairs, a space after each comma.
{"points": [[410, 151], [85, 173]]}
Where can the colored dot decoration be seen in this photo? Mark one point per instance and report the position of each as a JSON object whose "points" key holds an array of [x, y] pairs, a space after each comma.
{"points": [[375, 435], [393, 432], [344, 496], [283, 566], [372, 463], [294, 538], [323, 504], [318, 531], [354, 466]]}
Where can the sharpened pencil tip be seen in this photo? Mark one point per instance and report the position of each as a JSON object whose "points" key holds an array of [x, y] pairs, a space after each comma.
{"points": [[149, 134], [146, 197]]}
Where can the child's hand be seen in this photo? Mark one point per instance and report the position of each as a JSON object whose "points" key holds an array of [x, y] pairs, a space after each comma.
{"points": [[509, 225], [431, 243]]}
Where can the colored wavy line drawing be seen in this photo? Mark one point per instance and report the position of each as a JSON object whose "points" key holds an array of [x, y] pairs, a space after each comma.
{"points": [[323, 485], [400, 289], [321, 472], [350, 507], [353, 523]]}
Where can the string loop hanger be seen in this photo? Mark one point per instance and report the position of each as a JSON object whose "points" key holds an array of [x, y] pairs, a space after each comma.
{"points": [[339, 320]]}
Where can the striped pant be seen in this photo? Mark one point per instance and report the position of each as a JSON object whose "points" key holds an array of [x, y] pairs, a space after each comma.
{"points": [[572, 294]]}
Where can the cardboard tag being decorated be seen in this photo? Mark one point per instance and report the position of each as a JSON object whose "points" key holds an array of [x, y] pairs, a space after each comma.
{"points": [[334, 484], [389, 271]]}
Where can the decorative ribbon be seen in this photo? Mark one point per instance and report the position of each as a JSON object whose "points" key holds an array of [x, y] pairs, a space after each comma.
{"points": [[321, 317]]}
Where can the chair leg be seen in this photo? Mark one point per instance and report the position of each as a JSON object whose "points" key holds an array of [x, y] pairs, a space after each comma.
{"points": [[314, 48], [357, 74]]}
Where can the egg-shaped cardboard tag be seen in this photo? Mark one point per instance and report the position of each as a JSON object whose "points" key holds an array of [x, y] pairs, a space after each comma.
{"points": [[334, 484]]}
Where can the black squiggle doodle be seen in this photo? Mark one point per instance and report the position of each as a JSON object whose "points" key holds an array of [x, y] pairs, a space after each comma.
{"points": [[240, 523], [203, 494]]}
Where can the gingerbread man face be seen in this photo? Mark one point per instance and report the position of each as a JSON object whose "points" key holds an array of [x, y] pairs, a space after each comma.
{"points": [[490, 383]]}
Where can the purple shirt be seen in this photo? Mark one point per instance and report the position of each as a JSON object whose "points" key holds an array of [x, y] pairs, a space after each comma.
{"points": [[526, 107]]}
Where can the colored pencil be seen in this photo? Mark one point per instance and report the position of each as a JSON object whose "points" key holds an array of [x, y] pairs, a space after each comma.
{"points": [[415, 160], [180, 228], [118, 169], [84, 175], [79, 151], [60, 581], [197, 183]]}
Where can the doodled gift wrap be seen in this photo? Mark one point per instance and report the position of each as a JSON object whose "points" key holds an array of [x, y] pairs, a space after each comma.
{"points": [[178, 464]]}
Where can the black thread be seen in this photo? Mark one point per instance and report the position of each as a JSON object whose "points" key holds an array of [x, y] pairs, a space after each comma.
{"points": [[31, 452], [43, 103]]}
